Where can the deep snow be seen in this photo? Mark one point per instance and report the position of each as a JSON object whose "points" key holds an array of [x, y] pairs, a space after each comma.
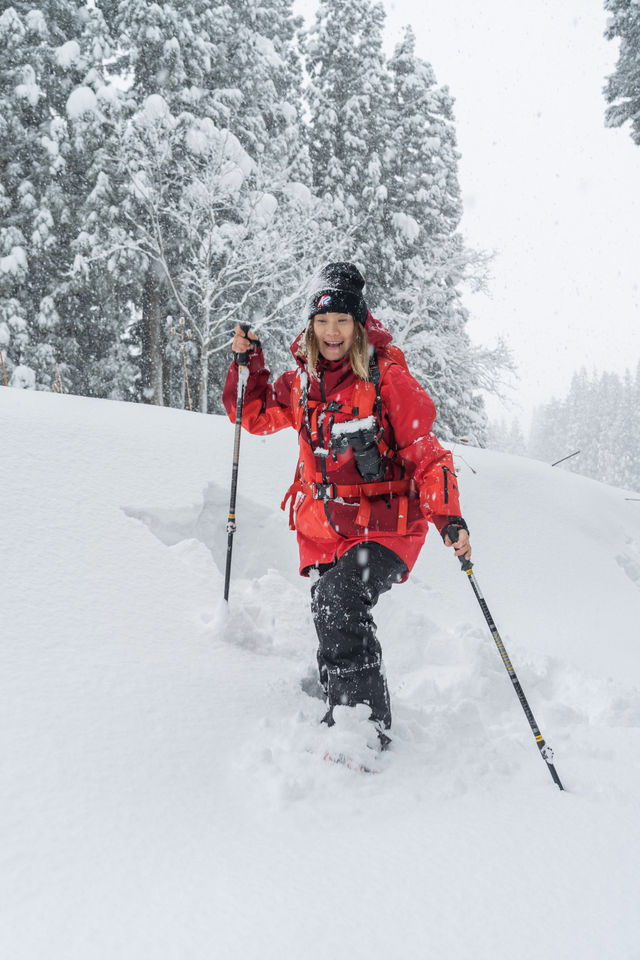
{"points": [[160, 794]]}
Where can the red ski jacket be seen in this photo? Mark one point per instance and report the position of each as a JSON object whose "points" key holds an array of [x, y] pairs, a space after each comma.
{"points": [[331, 507]]}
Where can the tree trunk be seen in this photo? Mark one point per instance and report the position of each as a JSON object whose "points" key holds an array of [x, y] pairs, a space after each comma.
{"points": [[203, 398], [152, 342]]}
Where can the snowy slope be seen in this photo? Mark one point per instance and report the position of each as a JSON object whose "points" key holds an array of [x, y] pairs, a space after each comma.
{"points": [[160, 797]]}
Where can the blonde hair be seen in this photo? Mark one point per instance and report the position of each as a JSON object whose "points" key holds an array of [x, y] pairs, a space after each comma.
{"points": [[358, 354]]}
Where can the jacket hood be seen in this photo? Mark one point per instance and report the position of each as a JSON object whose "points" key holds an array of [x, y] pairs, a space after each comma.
{"points": [[377, 335]]}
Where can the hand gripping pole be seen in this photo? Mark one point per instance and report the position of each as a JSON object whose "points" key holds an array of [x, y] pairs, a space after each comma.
{"points": [[545, 750]]}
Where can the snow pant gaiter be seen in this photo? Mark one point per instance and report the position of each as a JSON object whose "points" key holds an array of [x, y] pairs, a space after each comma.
{"points": [[349, 654]]}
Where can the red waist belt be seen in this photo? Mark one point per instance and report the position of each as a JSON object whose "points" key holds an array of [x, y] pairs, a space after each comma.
{"points": [[403, 489]]}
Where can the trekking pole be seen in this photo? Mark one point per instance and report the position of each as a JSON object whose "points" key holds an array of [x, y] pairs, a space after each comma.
{"points": [[545, 751], [242, 359]]}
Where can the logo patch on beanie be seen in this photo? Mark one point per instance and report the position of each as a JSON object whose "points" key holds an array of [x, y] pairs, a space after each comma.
{"points": [[324, 301]]}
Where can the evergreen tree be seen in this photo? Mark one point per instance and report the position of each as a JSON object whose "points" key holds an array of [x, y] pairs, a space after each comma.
{"points": [[346, 95], [545, 441], [427, 263], [168, 52], [630, 435], [51, 87], [599, 417], [605, 453], [623, 86], [421, 156]]}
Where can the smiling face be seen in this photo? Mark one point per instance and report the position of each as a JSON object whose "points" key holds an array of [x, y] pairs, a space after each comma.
{"points": [[334, 334]]}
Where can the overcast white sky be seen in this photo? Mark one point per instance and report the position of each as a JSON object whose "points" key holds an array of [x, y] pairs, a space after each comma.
{"points": [[546, 186]]}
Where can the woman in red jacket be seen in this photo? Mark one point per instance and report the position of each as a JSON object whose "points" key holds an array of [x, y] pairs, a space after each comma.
{"points": [[370, 476]]}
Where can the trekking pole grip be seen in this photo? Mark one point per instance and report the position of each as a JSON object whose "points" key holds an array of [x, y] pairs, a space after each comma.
{"points": [[452, 532], [242, 359]]}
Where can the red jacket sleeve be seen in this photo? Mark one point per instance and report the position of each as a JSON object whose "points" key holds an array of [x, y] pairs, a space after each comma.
{"points": [[266, 407], [412, 414]]}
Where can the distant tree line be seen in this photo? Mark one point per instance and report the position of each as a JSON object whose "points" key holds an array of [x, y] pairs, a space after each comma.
{"points": [[599, 417], [171, 169], [506, 437]]}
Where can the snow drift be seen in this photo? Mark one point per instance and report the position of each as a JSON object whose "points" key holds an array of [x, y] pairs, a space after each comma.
{"points": [[161, 796]]}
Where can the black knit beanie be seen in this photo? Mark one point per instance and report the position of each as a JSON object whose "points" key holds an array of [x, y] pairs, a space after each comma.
{"points": [[339, 290]]}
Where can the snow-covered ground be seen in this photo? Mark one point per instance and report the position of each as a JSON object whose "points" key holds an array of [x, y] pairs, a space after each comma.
{"points": [[161, 794]]}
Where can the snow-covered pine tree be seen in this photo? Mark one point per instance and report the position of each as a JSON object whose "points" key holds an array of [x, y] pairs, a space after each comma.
{"points": [[262, 65], [630, 432], [16, 106], [611, 454], [51, 84], [624, 431], [547, 437], [165, 51], [602, 443], [575, 423], [346, 98], [623, 86], [567, 425], [421, 162], [427, 262]]}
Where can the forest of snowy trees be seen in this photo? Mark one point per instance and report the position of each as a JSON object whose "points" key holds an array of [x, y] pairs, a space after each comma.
{"points": [[171, 170], [594, 430], [599, 417]]}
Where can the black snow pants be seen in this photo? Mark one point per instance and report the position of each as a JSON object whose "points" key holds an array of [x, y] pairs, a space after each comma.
{"points": [[349, 654]]}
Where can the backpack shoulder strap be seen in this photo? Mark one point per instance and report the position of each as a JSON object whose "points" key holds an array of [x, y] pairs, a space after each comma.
{"points": [[381, 360], [297, 401]]}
